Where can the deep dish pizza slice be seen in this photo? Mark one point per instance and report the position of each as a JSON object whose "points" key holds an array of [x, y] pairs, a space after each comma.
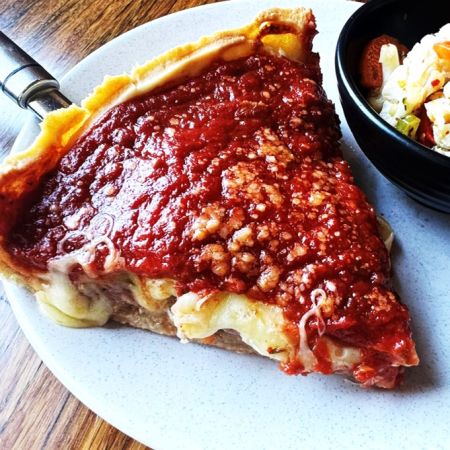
{"points": [[205, 196]]}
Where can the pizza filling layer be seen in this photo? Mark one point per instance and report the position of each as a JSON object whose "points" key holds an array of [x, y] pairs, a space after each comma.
{"points": [[230, 182]]}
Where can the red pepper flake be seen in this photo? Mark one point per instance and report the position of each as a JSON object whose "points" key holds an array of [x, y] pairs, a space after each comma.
{"points": [[425, 132], [435, 83]]}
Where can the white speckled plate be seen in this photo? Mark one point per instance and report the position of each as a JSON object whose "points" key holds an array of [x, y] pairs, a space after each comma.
{"points": [[174, 396]]}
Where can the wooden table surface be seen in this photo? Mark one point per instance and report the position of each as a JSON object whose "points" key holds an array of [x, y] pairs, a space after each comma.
{"points": [[36, 411]]}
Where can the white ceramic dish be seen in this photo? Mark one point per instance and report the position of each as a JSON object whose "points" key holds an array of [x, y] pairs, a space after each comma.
{"points": [[173, 396]]}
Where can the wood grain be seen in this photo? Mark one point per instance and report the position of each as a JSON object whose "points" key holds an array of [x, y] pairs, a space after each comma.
{"points": [[36, 411]]}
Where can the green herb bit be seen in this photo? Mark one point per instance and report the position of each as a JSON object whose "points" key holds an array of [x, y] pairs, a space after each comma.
{"points": [[408, 125]]}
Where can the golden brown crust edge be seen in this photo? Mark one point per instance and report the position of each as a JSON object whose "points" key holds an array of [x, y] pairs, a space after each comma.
{"points": [[286, 31]]}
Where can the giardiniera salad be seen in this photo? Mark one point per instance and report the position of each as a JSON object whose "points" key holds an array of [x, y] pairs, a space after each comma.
{"points": [[411, 89]]}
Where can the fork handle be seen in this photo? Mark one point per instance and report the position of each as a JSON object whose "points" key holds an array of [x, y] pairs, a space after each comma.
{"points": [[26, 82]]}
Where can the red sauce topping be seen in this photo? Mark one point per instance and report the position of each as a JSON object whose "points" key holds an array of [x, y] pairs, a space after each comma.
{"points": [[234, 181], [425, 131]]}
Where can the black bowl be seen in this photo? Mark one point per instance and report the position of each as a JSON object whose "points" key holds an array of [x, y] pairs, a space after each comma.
{"points": [[422, 173]]}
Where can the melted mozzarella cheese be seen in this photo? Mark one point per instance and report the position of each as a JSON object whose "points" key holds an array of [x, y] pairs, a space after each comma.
{"points": [[65, 304], [86, 304], [77, 306], [305, 354], [152, 294], [343, 359], [260, 325]]}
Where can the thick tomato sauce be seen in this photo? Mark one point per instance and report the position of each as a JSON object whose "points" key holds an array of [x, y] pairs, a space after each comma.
{"points": [[234, 181]]}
